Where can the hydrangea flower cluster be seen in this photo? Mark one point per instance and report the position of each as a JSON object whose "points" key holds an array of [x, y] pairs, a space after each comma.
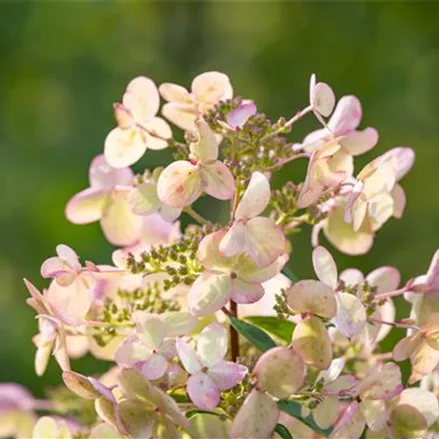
{"points": [[206, 331]]}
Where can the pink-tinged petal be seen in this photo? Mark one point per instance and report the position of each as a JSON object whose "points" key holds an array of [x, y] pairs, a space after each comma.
{"points": [[399, 200], [358, 213], [246, 292], [351, 425], [346, 117], [181, 115], [248, 271], [218, 181], [316, 139], [359, 142], [158, 133], [424, 360], [386, 313], [209, 293], [209, 252], [352, 203], [124, 147], [68, 255], [168, 350], [119, 224], [179, 184], [154, 367], [384, 278], [384, 383], [131, 351], [352, 276], [326, 412], [351, 314], [311, 341], [227, 374], [169, 214], [432, 276], [54, 267], [210, 87], [150, 328], [280, 372], [324, 266], [178, 323], [87, 206], [70, 303], [256, 197], [406, 346], [233, 242], [142, 98], [143, 199], [203, 391], [239, 116], [380, 209], [123, 116], [188, 356], [257, 417], [311, 296], [205, 149], [174, 93], [375, 414], [322, 98], [212, 344], [155, 230], [403, 159], [265, 241], [104, 176]]}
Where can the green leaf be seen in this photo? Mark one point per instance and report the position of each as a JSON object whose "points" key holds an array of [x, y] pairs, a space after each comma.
{"points": [[289, 274], [283, 432], [191, 413], [257, 337], [280, 328], [293, 409]]}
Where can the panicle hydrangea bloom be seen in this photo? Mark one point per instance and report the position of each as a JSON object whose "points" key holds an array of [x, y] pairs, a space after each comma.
{"points": [[204, 328]]}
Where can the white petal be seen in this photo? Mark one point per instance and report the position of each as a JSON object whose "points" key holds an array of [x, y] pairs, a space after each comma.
{"points": [[179, 184], [218, 181], [248, 271], [150, 329], [87, 206], [182, 115], [256, 197], [178, 323], [352, 276], [359, 142], [205, 149], [174, 93], [351, 315], [324, 266], [142, 98], [347, 115], [246, 292], [104, 176], [188, 356], [124, 147], [210, 87], [227, 374], [209, 293], [233, 242], [384, 278], [322, 99], [143, 199], [375, 414], [158, 132], [131, 351], [212, 344]]}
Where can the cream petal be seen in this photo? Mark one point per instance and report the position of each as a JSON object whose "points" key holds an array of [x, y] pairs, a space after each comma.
{"points": [[351, 314], [399, 201], [188, 356], [233, 242], [104, 176], [324, 266], [210, 87], [347, 115], [174, 93], [87, 206], [246, 292], [142, 98], [256, 197], [326, 412], [181, 115], [218, 181], [124, 147], [158, 133], [212, 344], [359, 142], [205, 149]]}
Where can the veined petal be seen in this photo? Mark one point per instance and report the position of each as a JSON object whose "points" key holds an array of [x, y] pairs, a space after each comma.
{"points": [[347, 115], [104, 176], [375, 414], [209, 252], [399, 200], [131, 351], [227, 374], [311, 296], [403, 159], [178, 323], [212, 344], [326, 413], [384, 278], [210, 87], [350, 425], [119, 224], [257, 417], [68, 256], [322, 98], [158, 133], [203, 391], [352, 276], [181, 115], [384, 383], [406, 346], [324, 266], [359, 142], [256, 197], [380, 209], [87, 206], [209, 293], [246, 292], [175, 93], [358, 213], [124, 147], [179, 184], [233, 242], [239, 116], [142, 98], [218, 181], [154, 367], [265, 241], [188, 356], [248, 271], [143, 199], [351, 315], [424, 359], [150, 328], [205, 149]]}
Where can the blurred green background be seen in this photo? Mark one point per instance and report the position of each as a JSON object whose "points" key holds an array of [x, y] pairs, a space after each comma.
{"points": [[62, 65]]}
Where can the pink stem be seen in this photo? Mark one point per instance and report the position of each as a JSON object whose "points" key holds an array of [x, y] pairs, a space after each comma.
{"points": [[392, 293]]}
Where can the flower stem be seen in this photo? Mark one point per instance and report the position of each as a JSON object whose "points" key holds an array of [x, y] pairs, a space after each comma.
{"points": [[234, 337], [391, 293], [394, 324], [285, 161], [196, 216]]}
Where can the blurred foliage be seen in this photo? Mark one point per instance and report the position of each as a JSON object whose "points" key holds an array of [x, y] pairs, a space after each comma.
{"points": [[64, 63]]}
